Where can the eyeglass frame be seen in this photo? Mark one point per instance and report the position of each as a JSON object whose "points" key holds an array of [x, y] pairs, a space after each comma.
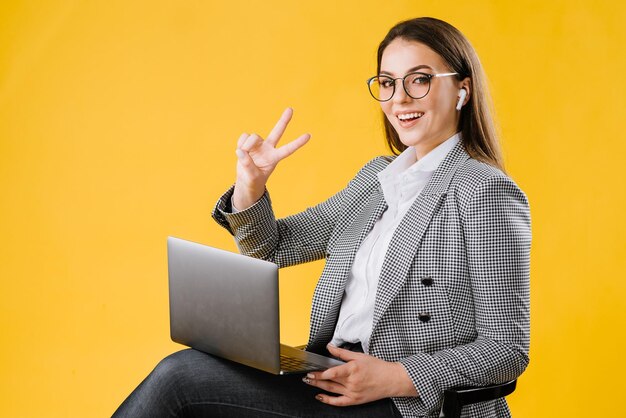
{"points": [[429, 76]]}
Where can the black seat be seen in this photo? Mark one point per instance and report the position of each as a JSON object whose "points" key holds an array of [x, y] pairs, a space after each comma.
{"points": [[455, 399]]}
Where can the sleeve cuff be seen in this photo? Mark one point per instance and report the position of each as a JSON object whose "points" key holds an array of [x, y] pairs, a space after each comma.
{"points": [[428, 376], [226, 214], [253, 228]]}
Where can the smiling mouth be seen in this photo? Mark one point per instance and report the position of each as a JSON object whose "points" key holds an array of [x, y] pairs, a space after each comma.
{"points": [[407, 117]]}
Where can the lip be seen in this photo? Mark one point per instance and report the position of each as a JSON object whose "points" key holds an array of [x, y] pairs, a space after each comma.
{"points": [[410, 123]]}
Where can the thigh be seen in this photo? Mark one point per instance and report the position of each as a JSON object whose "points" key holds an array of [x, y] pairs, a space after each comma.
{"points": [[195, 384]]}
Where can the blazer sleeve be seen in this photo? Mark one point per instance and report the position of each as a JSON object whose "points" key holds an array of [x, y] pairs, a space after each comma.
{"points": [[292, 240], [497, 232]]}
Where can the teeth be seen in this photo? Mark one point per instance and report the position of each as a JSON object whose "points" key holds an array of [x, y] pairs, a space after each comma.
{"points": [[410, 115]]}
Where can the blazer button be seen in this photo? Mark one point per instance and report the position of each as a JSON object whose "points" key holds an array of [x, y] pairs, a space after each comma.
{"points": [[427, 281], [424, 317]]}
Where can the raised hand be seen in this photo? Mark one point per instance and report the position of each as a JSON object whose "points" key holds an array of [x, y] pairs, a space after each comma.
{"points": [[257, 158], [362, 379]]}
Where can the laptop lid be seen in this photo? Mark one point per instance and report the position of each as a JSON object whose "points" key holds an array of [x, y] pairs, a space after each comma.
{"points": [[224, 303]]}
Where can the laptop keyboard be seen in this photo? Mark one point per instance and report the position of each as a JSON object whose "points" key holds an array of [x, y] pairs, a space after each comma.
{"points": [[290, 364]]}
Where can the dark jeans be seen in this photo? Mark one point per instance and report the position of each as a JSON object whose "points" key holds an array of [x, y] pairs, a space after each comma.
{"points": [[190, 383]]}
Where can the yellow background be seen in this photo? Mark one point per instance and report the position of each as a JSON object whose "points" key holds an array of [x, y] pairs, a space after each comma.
{"points": [[118, 123]]}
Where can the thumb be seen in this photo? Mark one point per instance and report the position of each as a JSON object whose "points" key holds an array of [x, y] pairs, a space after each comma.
{"points": [[341, 353], [244, 158]]}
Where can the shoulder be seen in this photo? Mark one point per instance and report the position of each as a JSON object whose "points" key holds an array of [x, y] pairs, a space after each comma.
{"points": [[377, 164], [369, 172], [475, 182]]}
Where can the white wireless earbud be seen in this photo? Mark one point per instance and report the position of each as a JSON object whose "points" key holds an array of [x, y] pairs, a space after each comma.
{"points": [[462, 96]]}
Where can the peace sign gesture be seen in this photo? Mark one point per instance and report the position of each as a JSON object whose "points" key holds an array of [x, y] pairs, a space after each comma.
{"points": [[257, 158]]}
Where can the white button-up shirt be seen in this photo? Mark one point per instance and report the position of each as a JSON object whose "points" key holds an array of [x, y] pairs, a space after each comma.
{"points": [[401, 182]]}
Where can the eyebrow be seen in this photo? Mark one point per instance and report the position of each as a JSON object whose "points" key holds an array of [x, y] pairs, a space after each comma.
{"points": [[419, 67]]}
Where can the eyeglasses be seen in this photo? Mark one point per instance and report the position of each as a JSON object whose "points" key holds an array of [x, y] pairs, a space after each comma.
{"points": [[416, 85]]}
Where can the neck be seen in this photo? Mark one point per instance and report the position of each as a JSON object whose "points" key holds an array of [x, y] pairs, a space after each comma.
{"points": [[422, 149]]}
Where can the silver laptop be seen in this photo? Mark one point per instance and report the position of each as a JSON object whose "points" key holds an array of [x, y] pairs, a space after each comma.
{"points": [[226, 304]]}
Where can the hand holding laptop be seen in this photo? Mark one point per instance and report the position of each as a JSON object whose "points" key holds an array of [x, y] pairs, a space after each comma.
{"points": [[359, 380]]}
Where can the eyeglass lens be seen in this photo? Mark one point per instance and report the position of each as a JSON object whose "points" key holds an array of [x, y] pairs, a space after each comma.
{"points": [[415, 84]]}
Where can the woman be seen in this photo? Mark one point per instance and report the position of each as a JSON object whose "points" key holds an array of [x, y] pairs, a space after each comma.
{"points": [[426, 282]]}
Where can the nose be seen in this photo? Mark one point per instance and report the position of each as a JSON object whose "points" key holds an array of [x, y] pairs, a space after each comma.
{"points": [[400, 96]]}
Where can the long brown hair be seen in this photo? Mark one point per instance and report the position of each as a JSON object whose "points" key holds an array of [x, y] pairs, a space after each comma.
{"points": [[476, 122]]}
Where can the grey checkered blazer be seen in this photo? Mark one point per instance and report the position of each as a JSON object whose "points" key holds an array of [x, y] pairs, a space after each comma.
{"points": [[453, 298]]}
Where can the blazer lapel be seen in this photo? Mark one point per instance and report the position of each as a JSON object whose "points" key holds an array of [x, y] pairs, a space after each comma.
{"points": [[329, 290], [408, 236]]}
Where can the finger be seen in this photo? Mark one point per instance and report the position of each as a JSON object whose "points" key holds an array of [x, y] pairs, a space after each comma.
{"points": [[327, 385], [247, 164], [343, 354], [335, 400], [288, 149], [244, 158], [334, 373], [241, 139], [280, 127], [251, 142]]}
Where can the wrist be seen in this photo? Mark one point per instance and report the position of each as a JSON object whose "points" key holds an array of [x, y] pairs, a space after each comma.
{"points": [[244, 197], [403, 385]]}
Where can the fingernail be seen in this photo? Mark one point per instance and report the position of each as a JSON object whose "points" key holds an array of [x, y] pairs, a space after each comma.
{"points": [[310, 375], [306, 380], [319, 397], [239, 153]]}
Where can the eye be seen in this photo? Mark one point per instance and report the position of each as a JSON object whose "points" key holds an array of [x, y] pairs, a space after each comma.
{"points": [[385, 82], [419, 79]]}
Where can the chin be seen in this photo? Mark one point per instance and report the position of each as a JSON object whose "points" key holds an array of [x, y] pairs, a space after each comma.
{"points": [[412, 137]]}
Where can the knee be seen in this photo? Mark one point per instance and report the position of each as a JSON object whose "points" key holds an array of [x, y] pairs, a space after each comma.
{"points": [[173, 369], [179, 359]]}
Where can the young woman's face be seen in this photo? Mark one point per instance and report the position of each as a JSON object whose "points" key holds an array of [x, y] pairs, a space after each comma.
{"points": [[437, 115]]}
